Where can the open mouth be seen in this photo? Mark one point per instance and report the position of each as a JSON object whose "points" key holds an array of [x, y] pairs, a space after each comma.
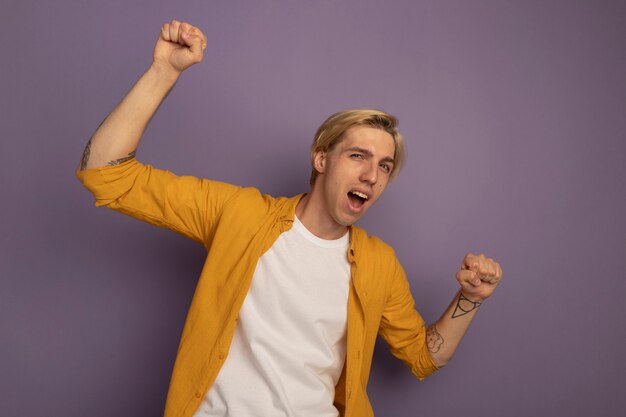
{"points": [[357, 199]]}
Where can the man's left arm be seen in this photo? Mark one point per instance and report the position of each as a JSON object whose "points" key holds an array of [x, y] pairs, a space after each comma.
{"points": [[478, 277]]}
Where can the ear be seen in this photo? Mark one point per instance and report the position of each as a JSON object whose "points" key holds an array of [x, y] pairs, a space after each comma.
{"points": [[319, 161]]}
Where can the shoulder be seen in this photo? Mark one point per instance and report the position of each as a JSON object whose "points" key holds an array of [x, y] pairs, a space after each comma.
{"points": [[250, 201], [372, 245], [254, 196], [372, 250], [378, 268]]}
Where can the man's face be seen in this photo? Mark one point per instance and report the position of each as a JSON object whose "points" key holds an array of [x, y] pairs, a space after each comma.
{"points": [[355, 173]]}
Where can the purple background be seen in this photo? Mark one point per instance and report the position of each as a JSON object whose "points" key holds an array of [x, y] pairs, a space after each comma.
{"points": [[514, 113]]}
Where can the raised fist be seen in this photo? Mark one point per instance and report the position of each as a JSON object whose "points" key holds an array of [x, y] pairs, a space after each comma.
{"points": [[478, 276], [179, 46]]}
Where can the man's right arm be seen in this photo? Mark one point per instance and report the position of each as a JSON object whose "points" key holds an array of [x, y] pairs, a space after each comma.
{"points": [[185, 204], [179, 46]]}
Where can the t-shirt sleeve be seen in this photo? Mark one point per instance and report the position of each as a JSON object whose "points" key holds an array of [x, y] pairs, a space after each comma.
{"points": [[185, 204], [403, 328]]}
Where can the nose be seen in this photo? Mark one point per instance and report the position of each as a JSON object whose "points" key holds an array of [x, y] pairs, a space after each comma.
{"points": [[369, 173]]}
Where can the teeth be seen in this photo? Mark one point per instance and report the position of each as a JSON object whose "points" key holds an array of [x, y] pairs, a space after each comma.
{"points": [[360, 194]]}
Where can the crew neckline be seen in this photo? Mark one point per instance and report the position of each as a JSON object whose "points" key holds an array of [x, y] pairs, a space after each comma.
{"points": [[343, 241]]}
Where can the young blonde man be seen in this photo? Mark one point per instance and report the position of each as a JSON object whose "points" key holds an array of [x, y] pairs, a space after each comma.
{"points": [[292, 295]]}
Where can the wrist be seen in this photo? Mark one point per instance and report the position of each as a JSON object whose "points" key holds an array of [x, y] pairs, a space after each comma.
{"points": [[472, 297], [465, 304], [164, 74]]}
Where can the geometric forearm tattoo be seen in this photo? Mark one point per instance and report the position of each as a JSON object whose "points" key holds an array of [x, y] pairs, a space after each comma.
{"points": [[464, 306], [433, 339]]}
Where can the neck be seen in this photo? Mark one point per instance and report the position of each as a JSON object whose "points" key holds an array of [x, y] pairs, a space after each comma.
{"points": [[310, 212]]}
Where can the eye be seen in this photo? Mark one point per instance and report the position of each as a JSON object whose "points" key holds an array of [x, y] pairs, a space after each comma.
{"points": [[386, 168], [356, 156]]}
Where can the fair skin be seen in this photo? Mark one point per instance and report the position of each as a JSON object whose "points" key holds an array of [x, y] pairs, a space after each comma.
{"points": [[352, 176], [361, 163], [179, 46]]}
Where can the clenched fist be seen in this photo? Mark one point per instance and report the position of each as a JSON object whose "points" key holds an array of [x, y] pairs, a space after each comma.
{"points": [[478, 276], [179, 46]]}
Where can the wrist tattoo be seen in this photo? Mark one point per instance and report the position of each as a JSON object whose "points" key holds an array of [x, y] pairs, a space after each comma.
{"points": [[122, 160], [433, 339], [464, 306]]}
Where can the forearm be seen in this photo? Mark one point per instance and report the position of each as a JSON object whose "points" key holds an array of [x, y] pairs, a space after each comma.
{"points": [[118, 136], [445, 335]]}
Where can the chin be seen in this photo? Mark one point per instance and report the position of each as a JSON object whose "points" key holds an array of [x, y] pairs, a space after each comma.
{"points": [[347, 222]]}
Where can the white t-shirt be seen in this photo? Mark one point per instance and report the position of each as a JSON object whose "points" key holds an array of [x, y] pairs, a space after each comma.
{"points": [[289, 345]]}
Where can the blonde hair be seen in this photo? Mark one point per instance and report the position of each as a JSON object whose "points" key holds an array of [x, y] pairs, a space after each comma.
{"points": [[331, 132]]}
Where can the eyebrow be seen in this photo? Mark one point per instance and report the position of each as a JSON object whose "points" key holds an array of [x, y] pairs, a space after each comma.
{"points": [[369, 154]]}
